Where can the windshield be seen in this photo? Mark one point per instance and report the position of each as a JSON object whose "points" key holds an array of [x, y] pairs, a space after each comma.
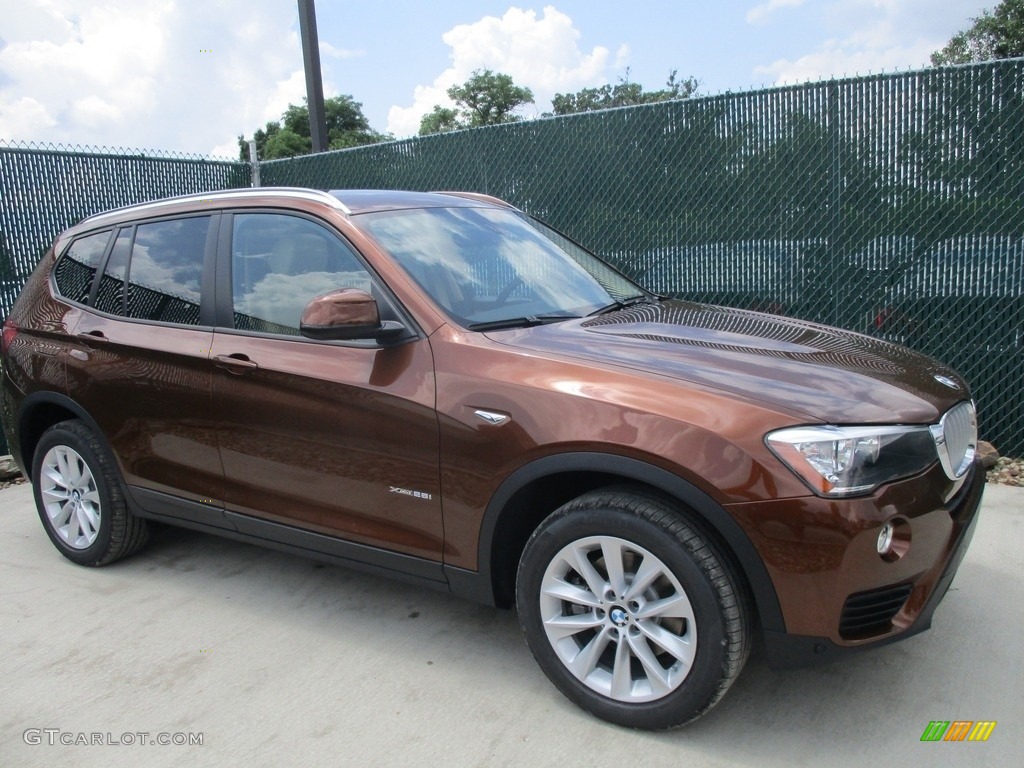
{"points": [[489, 266]]}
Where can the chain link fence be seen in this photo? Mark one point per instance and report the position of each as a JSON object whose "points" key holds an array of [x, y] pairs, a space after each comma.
{"points": [[889, 204], [45, 189]]}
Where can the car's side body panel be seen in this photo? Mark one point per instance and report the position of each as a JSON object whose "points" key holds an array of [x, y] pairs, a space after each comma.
{"points": [[338, 440]]}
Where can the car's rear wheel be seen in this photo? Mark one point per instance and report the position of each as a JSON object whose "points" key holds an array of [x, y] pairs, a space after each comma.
{"points": [[630, 611], [79, 498]]}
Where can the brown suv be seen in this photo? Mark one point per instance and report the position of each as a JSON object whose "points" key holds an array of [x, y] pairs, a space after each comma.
{"points": [[438, 386]]}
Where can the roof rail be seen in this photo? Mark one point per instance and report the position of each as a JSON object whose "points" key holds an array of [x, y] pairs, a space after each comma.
{"points": [[213, 197]]}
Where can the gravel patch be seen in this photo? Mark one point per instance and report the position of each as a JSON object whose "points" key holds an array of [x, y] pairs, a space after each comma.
{"points": [[19, 480], [1007, 471]]}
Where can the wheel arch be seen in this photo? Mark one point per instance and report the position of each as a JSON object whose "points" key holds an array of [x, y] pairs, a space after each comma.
{"points": [[512, 515], [37, 413]]}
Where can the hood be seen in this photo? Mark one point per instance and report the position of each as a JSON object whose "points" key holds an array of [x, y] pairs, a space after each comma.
{"points": [[824, 374]]}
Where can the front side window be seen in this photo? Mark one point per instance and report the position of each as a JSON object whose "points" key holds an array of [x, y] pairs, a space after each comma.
{"points": [[279, 263], [77, 267]]}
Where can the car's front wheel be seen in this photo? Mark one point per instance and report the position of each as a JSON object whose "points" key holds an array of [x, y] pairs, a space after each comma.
{"points": [[79, 498], [630, 611]]}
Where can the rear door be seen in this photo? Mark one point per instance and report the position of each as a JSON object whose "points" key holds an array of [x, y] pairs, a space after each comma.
{"points": [[333, 438], [140, 365]]}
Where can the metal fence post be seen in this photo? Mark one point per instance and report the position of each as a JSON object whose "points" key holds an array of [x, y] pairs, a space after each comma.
{"points": [[254, 164]]}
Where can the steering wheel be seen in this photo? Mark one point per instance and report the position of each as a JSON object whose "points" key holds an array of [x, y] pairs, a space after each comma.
{"points": [[506, 291]]}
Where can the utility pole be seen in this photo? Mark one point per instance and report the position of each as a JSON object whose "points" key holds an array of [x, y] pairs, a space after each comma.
{"points": [[314, 79]]}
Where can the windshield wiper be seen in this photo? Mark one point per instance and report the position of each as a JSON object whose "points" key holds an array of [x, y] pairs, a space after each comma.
{"points": [[519, 322], [643, 298]]}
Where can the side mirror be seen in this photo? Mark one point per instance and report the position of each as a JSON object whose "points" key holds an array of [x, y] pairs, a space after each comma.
{"points": [[347, 314]]}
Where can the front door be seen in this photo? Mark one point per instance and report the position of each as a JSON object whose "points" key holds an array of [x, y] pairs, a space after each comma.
{"points": [[335, 438]]}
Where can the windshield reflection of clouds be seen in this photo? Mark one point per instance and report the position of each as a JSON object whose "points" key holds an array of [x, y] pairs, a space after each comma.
{"points": [[486, 253], [421, 240]]}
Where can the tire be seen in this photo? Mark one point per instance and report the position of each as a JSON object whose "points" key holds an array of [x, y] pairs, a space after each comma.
{"points": [[651, 655], [79, 497]]}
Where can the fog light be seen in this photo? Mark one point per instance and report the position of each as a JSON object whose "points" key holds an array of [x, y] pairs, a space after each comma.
{"points": [[885, 538]]}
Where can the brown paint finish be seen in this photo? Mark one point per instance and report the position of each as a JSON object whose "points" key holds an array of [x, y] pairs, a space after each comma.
{"points": [[559, 405], [404, 447], [344, 307], [318, 435], [820, 551], [814, 372], [150, 392]]}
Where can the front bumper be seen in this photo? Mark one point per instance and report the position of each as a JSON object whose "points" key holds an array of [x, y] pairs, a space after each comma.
{"points": [[929, 586]]}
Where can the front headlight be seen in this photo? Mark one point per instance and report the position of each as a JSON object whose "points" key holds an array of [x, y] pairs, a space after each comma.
{"points": [[847, 461]]}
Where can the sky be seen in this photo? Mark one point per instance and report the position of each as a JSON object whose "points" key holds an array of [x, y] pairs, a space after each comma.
{"points": [[189, 76]]}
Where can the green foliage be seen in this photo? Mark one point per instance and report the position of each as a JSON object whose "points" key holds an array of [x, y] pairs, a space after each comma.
{"points": [[440, 120], [997, 34], [486, 98], [290, 136], [286, 143], [489, 98], [623, 94]]}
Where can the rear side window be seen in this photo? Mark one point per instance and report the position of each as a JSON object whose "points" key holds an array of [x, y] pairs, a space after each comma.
{"points": [[164, 273], [77, 267], [154, 271]]}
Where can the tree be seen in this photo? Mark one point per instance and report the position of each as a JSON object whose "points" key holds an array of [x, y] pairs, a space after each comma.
{"points": [[998, 34], [486, 98], [623, 94], [440, 120], [290, 136]]}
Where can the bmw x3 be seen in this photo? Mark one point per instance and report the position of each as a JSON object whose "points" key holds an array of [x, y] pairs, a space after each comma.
{"points": [[440, 387]]}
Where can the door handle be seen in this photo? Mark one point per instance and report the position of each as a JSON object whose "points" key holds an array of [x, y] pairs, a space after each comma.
{"points": [[92, 337], [236, 364]]}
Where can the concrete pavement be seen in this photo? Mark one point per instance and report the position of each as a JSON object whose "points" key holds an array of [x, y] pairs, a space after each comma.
{"points": [[278, 661]]}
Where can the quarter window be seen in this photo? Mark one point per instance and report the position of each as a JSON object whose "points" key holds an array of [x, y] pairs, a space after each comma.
{"points": [[75, 271]]}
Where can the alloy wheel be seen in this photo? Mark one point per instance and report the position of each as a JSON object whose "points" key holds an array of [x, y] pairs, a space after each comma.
{"points": [[70, 497]]}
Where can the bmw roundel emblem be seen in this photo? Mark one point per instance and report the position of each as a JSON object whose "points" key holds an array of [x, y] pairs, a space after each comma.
{"points": [[945, 380]]}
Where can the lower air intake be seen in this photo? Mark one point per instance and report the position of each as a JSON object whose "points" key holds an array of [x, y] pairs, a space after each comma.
{"points": [[870, 613]]}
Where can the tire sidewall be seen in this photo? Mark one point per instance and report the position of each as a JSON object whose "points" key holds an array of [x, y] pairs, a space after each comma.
{"points": [[699, 689], [66, 435]]}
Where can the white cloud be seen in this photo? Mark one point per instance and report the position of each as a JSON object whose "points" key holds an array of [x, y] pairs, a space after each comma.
{"points": [[93, 111], [759, 13], [839, 58], [20, 117], [871, 36], [78, 74], [326, 49], [156, 74], [540, 53]]}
